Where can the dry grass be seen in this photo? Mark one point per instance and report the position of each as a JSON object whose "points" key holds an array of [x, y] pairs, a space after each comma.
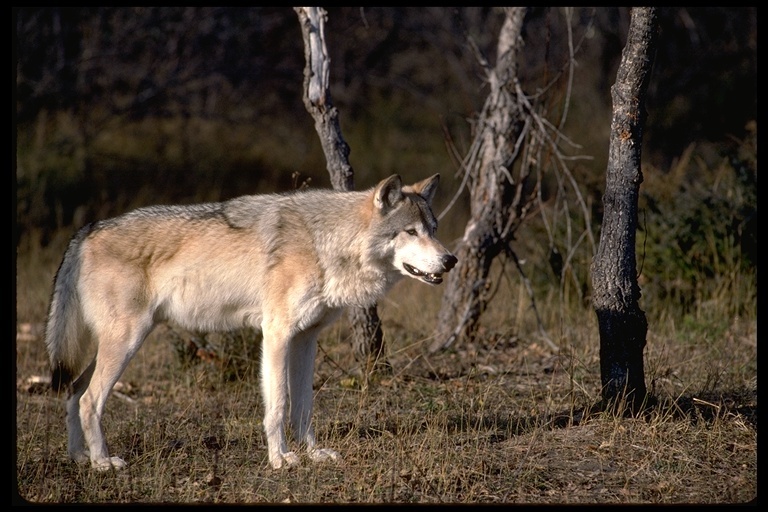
{"points": [[506, 420]]}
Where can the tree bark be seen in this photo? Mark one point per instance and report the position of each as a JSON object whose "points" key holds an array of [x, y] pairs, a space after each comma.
{"points": [[497, 199], [367, 336], [622, 324]]}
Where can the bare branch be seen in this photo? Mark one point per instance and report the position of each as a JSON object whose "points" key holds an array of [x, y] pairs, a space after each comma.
{"points": [[367, 335]]}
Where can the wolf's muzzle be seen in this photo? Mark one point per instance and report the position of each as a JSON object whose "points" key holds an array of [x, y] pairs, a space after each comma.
{"points": [[447, 261]]}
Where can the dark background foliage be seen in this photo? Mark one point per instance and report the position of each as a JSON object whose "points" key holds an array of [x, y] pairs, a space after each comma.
{"points": [[120, 106], [172, 60]]}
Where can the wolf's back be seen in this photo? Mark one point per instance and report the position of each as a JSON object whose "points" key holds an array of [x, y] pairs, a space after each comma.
{"points": [[66, 336]]}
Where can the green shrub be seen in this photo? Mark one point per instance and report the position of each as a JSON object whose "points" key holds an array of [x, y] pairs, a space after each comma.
{"points": [[698, 232]]}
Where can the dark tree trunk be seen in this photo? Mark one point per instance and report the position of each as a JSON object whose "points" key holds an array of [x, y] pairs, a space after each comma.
{"points": [[366, 328], [498, 202], [622, 324]]}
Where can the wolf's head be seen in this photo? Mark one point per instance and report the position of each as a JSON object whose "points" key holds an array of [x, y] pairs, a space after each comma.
{"points": [[406, 218]]}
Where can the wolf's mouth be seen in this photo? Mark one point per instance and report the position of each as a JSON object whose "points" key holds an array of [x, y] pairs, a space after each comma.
{"points": [[426, 277]]}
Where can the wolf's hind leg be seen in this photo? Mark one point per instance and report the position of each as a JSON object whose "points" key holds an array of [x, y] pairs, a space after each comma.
{"points": [[117, 344], [75, 437]]}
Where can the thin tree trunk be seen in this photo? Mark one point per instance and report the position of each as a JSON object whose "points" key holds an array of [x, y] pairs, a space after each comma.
{"points": [[367, 336], [622, 324], [497, 199]]}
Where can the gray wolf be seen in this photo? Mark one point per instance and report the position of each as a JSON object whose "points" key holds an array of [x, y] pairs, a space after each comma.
{"points": [[287, 264]]}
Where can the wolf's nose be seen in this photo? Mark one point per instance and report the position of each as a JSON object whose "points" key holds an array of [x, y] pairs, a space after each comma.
{"points": [[449, 261]]}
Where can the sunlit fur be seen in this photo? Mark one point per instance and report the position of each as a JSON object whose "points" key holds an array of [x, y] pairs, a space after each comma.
{"points": [[284, 263]]}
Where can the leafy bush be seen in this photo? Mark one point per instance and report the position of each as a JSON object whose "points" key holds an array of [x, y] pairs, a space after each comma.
{"points": [[698, 234]]}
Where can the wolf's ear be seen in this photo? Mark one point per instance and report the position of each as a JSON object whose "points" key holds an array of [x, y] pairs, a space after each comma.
{"points": [[388, 193], [427, 188]]}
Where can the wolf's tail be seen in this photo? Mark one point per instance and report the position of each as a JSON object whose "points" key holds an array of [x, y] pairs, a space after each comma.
{"points": [[66, 336]]}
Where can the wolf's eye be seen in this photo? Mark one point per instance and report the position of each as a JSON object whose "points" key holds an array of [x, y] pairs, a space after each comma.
{"points": [[411, 232]]}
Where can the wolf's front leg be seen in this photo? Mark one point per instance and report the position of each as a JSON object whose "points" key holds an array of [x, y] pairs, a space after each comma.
{"points": [[300, 377], [274, 385]]}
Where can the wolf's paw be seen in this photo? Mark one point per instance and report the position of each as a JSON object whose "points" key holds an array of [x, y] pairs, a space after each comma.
{"points": [[289, 458], [107, 464], [320, 454]]}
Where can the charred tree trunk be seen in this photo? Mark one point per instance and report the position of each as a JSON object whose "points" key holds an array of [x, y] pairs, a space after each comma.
{"points": [[497, 194], [366, 327], [622, 324]]}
